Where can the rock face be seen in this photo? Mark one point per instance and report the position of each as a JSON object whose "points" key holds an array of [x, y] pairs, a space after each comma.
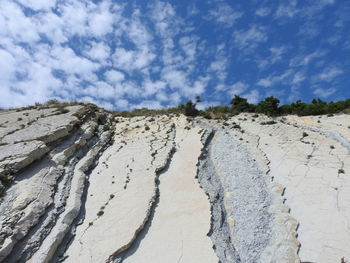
{"points": [[80, 185]]}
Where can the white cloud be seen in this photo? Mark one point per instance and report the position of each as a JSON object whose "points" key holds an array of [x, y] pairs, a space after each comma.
{"points": [[263, 11], [53, 27], [330, 73], [101, 22], [105, 91], [153, 87], [294, 94], [277, 53], [175, 79], [224, 14], [192, 9], [274, 79], [189, 46], [324, 93], [38, 4], [122, 104], [290, 9], [175, 99], [197, 88], [123, 58], [250, 38], [7, 66], [165, 19], [149, 104], [298, 78], [114, 77], [130, 60], [309, 30], [266, 82], [16, 25], [75, 17], [305, 59], [99, 51], [218, 65], [287, 9], [253, 96], [137, 32], [95, 51], [66, 60], [238, 88], [41, 78]]}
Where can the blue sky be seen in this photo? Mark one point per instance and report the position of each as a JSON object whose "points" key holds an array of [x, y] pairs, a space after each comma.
{"points": [[131, 54]]}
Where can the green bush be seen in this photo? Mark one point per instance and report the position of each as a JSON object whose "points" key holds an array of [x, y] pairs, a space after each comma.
{"points": [[269, 106]]}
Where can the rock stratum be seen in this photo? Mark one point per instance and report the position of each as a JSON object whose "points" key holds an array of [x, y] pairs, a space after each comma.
{"points": [[79, 184]]}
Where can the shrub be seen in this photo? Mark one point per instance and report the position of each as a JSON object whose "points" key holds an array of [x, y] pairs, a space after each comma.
{"points": [[205, 114], [52, 101], [305, 134], [341, 171], [4, 178]]}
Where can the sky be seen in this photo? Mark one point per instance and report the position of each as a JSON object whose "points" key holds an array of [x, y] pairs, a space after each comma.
{"points": [[131, 54]]}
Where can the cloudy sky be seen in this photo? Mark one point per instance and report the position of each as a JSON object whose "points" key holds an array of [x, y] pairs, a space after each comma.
{"points": [[151, 53]]}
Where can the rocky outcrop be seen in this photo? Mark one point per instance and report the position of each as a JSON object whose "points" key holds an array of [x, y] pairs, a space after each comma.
{"points": [[81, 185], [37, 191]]}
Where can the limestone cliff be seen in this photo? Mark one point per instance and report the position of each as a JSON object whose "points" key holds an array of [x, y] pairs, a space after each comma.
{"points": [[81, 185]]}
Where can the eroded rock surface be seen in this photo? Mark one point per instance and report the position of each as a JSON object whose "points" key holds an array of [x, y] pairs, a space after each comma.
{"points": [[81, 185]]}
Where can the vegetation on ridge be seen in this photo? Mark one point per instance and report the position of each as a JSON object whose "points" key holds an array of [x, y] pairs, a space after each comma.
{"points": [[269, 106]]}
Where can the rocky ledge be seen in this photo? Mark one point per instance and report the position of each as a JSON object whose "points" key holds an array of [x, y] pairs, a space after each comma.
{"points": [[79, 184]]}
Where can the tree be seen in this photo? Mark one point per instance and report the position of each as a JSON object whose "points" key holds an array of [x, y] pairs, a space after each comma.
{"points": [[189, 108], [240, 104], [269, 106], [299, 107]]}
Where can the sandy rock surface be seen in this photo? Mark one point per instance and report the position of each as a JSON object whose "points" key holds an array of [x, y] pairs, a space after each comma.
{"points": [[81, 185]]}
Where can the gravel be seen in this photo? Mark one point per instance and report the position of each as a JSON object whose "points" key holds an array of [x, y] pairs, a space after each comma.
{"points": [[236, 187]]}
